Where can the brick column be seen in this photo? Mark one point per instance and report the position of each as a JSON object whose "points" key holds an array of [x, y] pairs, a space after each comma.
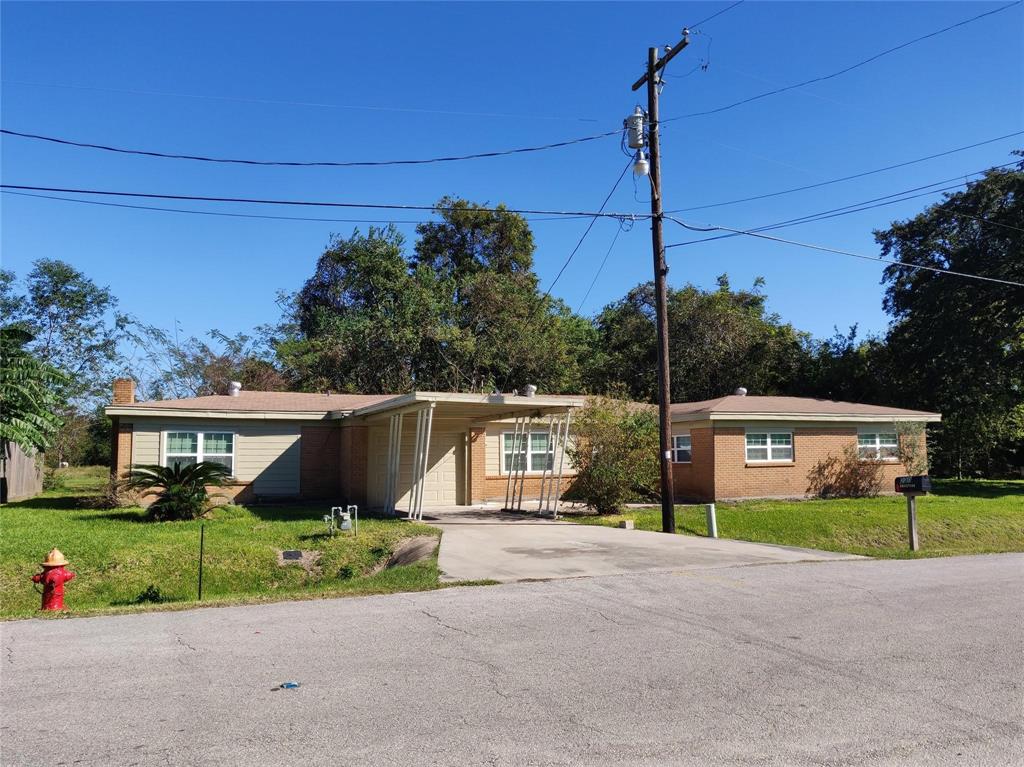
{"points": [[121, 455], [476, 468], [354, 458]]}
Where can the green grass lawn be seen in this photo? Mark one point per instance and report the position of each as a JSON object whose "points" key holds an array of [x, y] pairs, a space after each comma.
{"points": [[960, 517], [117, 555]]}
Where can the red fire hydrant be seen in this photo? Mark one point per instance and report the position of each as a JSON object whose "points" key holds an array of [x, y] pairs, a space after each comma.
{"points": [[53, 577]]}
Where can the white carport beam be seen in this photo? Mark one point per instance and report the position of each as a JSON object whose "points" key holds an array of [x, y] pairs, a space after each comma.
{"points": [[509, 492], [561, 463]]}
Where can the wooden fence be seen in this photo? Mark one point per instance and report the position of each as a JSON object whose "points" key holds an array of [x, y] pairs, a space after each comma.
{"points": [[21, 474]]}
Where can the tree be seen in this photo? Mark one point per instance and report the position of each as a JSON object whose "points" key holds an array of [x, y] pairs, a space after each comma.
{"points": [[74, 323], [718, 340], [958, 344], [197, 368], [463, 313], [30, 395]]}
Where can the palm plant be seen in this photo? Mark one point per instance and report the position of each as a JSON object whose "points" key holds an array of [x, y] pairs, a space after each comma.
{"points": [[180, 489]]}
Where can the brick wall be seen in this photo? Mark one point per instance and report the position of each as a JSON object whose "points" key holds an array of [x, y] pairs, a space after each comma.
{"points": [[476, 468], [352, 464], [496, 485], [695, 481], [735, 478], [320, 461], [121, 453]]}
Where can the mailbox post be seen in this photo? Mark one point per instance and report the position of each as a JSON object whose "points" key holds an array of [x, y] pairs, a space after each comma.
{"points": [[911, 487]]}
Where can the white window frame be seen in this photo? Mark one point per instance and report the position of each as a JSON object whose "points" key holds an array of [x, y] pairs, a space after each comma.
{"points": [[677, 448], [769, 433], [200, 454], [878, 445], [529, 453]]}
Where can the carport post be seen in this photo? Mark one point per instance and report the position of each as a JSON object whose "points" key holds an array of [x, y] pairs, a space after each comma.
{"points": [[544, 471], [509, 492], [525, 449], [561, 461], [428, 418]]}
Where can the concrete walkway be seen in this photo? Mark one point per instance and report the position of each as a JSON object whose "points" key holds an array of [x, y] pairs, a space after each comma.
{"points": [[483, 544]]}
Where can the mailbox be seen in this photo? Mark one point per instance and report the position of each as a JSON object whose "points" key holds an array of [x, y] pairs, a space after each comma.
{"points": [[921, 483]]}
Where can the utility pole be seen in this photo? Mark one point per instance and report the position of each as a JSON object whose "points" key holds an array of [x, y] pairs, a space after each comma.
{"points": [[653, 79]]}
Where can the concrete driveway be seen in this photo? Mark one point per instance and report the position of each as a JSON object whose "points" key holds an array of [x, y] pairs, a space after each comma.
{"points": [[491, 545]]}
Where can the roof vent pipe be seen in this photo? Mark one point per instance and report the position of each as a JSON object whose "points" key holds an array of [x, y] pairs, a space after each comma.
{"points": [[741, 392], [234, 387], [529, 390]]}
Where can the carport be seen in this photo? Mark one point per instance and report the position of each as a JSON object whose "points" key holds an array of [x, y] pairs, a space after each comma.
{"points": [[428, 449]]}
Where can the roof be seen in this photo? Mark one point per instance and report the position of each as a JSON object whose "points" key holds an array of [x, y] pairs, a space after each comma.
{"points": [[300, 405], [266, 401], [744, 407]]}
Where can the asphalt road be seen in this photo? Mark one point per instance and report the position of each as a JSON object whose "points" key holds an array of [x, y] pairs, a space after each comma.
{"points": [[832, 663]]}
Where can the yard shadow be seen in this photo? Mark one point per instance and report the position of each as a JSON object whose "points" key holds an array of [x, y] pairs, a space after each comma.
{"points": [[116, 516], [59, 502], [972, 488]]}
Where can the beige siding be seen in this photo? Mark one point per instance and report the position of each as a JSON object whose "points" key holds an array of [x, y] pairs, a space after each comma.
{"points": [[445, 480], [266, 452], [494, 439]]}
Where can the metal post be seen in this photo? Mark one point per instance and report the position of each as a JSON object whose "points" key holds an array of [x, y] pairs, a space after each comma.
{"points": [[202, 541], [912, 521], [428, 418], [561, 463], [544, 471], [526, 447], [508, 483], [712, 520], [389, 488], [414, 488]]}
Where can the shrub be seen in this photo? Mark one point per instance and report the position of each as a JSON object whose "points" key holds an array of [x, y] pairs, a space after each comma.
{"points": [[180, 490], [615, 452], [845, 476]]}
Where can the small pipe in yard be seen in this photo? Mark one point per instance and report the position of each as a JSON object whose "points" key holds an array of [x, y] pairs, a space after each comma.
{"points": [[202, 536]]}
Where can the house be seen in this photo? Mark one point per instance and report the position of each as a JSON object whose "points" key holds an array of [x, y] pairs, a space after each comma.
{"points": [[742, 446], [390, 452], [435, 449]]}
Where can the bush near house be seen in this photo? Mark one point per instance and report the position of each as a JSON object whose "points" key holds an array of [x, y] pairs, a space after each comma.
{"points": [[615, 452]]}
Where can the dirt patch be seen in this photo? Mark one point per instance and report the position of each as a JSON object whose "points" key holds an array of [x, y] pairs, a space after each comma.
{"points": [[408, 551], [307, 560]]}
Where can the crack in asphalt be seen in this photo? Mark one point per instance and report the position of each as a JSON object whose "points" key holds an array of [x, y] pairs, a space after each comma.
{"points": [[183, 643], [440, 622]]}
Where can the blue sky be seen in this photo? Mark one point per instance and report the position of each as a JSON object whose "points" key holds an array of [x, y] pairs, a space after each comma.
{"points": [[552, 71]]}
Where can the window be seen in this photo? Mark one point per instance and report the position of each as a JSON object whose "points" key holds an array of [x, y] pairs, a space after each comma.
{"points": [[769, 446], [878, 446], [534, 454], [681, 451], [184, 448]]}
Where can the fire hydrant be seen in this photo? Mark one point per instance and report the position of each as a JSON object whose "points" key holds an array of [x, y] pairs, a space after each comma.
{"points": [[53, 577]]}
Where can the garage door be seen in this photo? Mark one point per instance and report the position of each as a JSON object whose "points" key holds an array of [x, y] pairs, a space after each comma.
{"points": [[444, 480]]}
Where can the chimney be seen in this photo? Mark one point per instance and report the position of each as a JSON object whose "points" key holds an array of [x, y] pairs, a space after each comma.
{"points": [[233, 388], [124, 391]]}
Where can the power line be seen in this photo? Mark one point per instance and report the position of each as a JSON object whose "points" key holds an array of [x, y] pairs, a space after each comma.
{"points": [[589, 227], [307, 164], [322, 204], [845, 70], [254, 215], [600, 269], [841, 252], [244, 100], [857, 207], [846, 178], [715, 15]]}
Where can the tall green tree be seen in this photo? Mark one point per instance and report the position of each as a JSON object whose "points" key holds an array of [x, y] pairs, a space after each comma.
{"points": [[718, 340], [463, 312], [957, 344], [74, 323], [30, 394]]}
